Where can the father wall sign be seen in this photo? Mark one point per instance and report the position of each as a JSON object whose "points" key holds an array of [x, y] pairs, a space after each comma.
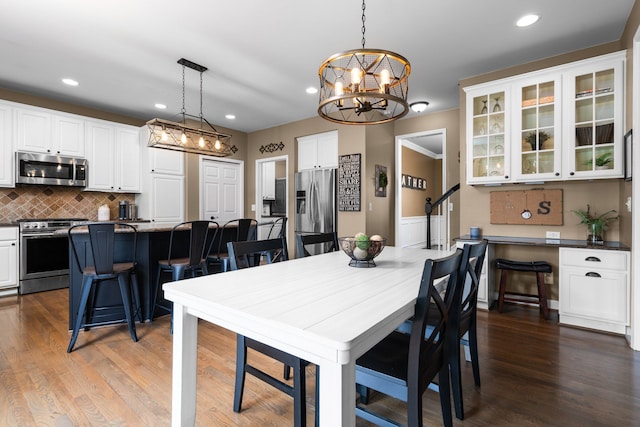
{"points": [[413, 182]]}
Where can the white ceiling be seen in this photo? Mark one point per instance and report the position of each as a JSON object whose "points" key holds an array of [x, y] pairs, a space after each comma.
{"points": [[262, 55]]}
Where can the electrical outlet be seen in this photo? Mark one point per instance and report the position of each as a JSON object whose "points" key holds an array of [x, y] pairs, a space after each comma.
{"points": [[553, 234], [548, 278]]}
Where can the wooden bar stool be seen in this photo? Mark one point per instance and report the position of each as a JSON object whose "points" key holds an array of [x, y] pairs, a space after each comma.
{"points": [[538, 267]]}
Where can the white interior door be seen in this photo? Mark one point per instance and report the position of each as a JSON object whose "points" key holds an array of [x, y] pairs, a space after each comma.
{"points": [[222, 190]]}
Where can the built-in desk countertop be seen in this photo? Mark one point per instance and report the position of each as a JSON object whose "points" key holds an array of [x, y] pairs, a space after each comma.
{"points": [[559, 243]]}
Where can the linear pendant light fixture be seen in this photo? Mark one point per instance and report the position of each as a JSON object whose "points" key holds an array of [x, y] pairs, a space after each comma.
{"points": [[181, 136], [364, 86]]}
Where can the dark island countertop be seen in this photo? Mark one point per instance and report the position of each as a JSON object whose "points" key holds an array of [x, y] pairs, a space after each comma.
{"points": [[559, 243]]}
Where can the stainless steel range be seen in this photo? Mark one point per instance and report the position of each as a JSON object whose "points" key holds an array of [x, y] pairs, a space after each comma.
{"points": [[44, 255]]}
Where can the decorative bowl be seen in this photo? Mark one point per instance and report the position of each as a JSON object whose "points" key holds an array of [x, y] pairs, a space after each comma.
{"points": [[361, 252]]}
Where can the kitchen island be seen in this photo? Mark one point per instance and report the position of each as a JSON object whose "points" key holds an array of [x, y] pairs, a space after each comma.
{"points": [[152, 246]]}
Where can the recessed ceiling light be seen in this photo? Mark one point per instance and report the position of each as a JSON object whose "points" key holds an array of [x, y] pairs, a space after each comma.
{"points": [[160, 106], [70, 82], [419, 106], [527, 20], [312, 90], [230, 116]]}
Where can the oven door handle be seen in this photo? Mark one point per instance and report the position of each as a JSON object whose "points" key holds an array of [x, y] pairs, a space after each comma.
{"points": [[35, 236]]}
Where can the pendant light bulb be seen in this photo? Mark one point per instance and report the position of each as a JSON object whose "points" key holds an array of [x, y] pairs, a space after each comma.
{"points": [[217, 144], [201, 141], [164, 135], [183, 138]]}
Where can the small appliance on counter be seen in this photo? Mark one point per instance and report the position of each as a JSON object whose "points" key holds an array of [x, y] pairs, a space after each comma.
{"points": [[103, 213], [123, 210]]}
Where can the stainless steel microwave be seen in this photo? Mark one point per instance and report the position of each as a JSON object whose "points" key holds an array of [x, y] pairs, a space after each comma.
{"points": [[47, 169]]}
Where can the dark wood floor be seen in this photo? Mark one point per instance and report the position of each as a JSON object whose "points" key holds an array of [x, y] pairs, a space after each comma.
{"points": [[534, 373]]}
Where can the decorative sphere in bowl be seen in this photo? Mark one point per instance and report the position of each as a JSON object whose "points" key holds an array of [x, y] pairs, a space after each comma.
{"points": [[362, 249]]}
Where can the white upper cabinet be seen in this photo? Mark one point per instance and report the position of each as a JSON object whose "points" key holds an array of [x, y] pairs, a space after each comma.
{"points": [[68, 135], [562, 123], [33, 130], [269, 180], [113, 156], [537, 130], [318, 151], [488, 144], [7, 161], [45, 131], [595, 119]]}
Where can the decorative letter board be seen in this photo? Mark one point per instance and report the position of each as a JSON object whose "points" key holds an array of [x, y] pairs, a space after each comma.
{"points": [[349, 183], [539, 207]]}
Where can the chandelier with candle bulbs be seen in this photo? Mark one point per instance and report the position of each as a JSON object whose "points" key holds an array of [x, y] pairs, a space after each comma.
{"points": [[364, 86], [200, 138]]}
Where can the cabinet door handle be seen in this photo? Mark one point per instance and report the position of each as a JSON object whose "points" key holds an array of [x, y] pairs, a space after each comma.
{"points": [[13, 244], [592, 259], [592, 274]]}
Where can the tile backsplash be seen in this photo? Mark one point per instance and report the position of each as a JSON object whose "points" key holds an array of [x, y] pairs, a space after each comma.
{"points": [[38, 201]]}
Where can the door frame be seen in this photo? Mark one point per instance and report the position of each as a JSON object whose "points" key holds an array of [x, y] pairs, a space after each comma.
{"points": [[402, 141], [635, 201], [258, 183], [201, 160]]}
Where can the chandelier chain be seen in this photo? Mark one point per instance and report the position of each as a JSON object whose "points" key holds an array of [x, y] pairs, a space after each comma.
{"points": [[201, 96], [363, 19], [183, 111]]}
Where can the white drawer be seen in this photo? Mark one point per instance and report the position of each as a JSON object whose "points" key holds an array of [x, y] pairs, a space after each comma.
{"points": [[594, 259], [8, 233]]}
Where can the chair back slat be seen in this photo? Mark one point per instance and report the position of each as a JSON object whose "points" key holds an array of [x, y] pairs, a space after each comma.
{"points": [[279, 225], [429, 353], [248, 253], [236, 230], [328, 240], [102, 245], [475, 254], [201, 237]]}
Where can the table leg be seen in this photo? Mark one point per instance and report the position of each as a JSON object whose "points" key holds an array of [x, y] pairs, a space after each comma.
{"points": [[185, 347], [337, 394]]}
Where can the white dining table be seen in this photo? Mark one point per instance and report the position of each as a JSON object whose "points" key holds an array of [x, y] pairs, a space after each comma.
{"points": [[318, 308]]}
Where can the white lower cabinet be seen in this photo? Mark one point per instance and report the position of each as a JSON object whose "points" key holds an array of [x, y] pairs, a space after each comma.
{"points": [[8, 260], [486, 288], [594, 289]]}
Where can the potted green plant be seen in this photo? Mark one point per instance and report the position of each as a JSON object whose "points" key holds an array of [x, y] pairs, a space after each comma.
{"points": [[596, 224], [531, 139], [602, 161], [382, 179]]}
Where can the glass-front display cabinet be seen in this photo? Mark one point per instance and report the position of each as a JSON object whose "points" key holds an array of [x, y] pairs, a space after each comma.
{"points": [[537, 130], [488, 151], [595, 143]]}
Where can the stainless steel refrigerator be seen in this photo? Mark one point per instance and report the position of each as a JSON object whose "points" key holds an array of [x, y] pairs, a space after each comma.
{"points": [[315, 201]]}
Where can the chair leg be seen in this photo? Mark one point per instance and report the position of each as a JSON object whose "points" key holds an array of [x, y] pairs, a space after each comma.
{"points": [[287, 372], [542, 296], [364, 393], [241, 362], [125, 291], [456, 380], [445, 398], [87, 284], [473, 348], [155, 291], [503, 285], [299, 403], [136, 298]]}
